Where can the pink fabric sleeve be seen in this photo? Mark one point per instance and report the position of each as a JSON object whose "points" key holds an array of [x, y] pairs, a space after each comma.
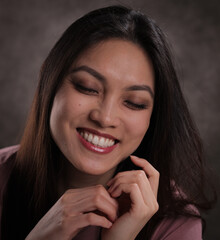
{"points": [[181, 228], [5, 169], [5, 165]]}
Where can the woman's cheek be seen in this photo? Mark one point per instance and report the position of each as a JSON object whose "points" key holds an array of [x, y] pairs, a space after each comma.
{"points": [[139, 125]]}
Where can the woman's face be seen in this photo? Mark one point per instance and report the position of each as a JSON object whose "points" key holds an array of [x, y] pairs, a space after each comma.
{"points": [[102, 111]]}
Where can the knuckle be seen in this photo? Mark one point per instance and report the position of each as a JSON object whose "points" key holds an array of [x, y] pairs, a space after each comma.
{"points": [[99, 189], [97, 199], [90, 217], [134, 186], [157, 174], [66, 196], [156, 207], [140, 175]]}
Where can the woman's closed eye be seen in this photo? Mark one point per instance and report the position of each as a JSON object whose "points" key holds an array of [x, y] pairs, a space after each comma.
{"points": [[135, 106], [85, 90]]}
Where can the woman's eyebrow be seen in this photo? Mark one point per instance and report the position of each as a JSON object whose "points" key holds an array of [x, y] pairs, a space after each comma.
{"points": [[141, 88], [102, 78], [91, 71]]}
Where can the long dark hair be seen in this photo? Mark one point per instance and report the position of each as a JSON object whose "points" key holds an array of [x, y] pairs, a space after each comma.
{"points": [[172, 143]]}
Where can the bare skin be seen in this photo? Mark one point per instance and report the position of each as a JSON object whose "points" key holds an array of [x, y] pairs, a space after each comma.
{"points": [[115, 105], [78, 208]]}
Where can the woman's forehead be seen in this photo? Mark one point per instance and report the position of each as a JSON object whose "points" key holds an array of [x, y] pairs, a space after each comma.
{"points": [[118, 59]]}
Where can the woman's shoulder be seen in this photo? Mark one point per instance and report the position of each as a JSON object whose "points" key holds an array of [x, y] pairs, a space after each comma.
{"points": [[6, 163], [180, 227], [6, 152]]}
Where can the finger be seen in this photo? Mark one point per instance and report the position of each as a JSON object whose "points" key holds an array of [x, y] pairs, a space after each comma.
{"points": [[138, 206], [76, 195], [134, 192], [94, 220], [93, 203], [139, 177], [152, 173], [96, 198], [125, 177], [89, 219]]}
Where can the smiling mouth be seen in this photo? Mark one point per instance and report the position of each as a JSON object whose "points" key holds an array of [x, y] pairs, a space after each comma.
{"points": [[98, 140]]}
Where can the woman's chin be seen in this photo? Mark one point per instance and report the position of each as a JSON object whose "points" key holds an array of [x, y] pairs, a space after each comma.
{"points": [[97, 171]]}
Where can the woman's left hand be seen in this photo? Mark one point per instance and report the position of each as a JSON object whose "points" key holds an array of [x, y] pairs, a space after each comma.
{"points": [[136, 192]]}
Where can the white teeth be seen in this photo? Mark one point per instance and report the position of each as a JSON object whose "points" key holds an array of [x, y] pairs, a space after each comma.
{"points": [[89, 138], [102, 141], [97, 140], [107, 142], [86, 135]]}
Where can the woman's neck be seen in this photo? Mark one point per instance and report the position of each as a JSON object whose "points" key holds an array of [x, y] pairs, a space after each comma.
{"points": [[70, 177]]}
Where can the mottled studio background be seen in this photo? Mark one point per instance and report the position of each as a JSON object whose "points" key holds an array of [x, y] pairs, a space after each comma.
{"points": [[28, 30]]}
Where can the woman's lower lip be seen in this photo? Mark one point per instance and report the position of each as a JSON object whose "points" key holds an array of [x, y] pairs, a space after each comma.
{"points": [[94, 148]]}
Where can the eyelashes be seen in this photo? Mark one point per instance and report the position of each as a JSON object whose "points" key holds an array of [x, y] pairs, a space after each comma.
{"points": [[136, 106], [85, 90], [94, 92]]}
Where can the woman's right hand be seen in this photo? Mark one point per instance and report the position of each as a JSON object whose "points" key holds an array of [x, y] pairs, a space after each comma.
{"points": [[76, 209]]}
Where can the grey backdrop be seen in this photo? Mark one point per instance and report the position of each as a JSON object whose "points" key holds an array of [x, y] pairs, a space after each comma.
{"points": [[28, 30]]}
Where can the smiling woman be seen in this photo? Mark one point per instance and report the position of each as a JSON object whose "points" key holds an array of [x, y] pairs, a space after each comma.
{"points": [[92, 106], [108, 119]]}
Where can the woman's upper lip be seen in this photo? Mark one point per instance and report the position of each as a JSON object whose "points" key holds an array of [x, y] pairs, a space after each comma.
{"points": [[97, 133]]}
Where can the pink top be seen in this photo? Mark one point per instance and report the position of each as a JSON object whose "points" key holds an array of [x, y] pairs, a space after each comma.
{"points": [[179, 228]]}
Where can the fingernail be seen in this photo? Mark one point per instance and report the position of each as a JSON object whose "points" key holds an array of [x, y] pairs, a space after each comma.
{"points": [[135, 157], [109, 224], [109, 183], [110, 189]]}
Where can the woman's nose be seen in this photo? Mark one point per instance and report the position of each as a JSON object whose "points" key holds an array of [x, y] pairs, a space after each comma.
{"points": [[105, 115]]}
